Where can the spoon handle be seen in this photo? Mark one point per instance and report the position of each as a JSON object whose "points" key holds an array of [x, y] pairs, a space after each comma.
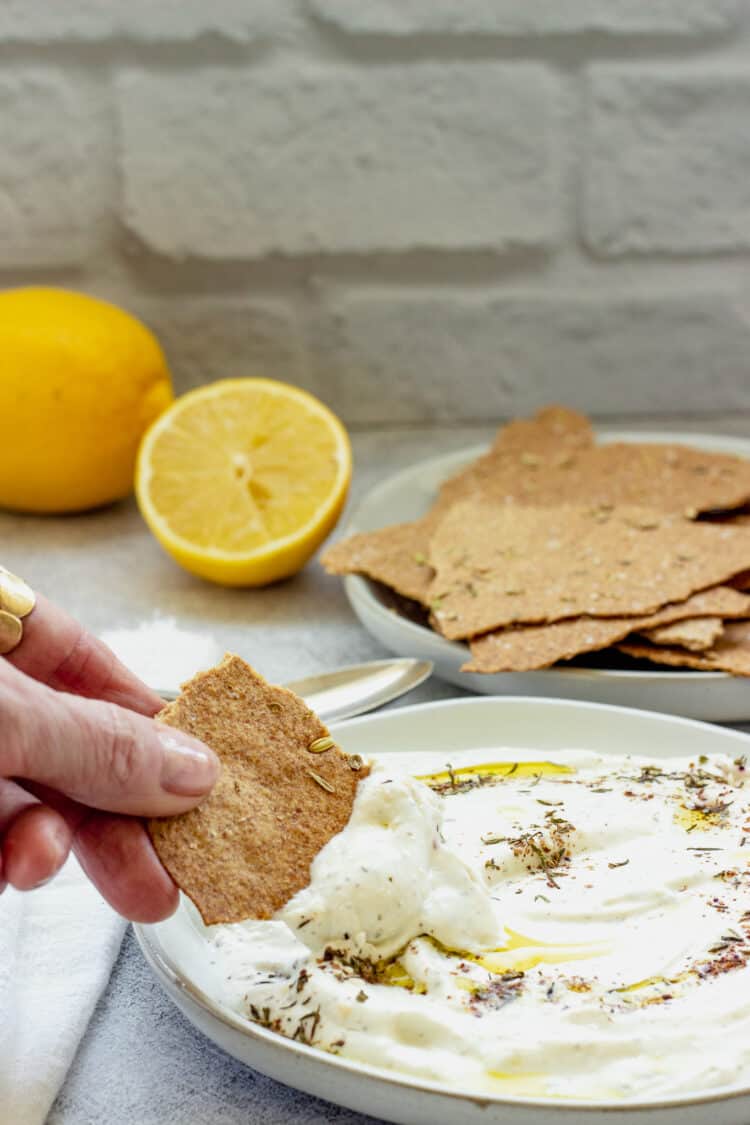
{"points": [[355, 689]]}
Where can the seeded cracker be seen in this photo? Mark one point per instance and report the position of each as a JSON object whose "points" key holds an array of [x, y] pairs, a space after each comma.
{"points": [[694, 633], [247, 849], [731, 653], [497, 566], [525, 452], [526, 648], [553, 429], [671, 478], [398, 556], [393, 555]]}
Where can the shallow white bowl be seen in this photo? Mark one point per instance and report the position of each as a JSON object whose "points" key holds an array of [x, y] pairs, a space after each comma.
{"points": [[408, 494], [176, 950]]}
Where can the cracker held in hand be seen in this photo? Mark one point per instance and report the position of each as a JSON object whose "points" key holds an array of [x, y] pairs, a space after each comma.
{"points": [[497, 566], [282, 794]]}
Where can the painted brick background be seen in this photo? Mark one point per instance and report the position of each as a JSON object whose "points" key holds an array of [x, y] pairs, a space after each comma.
{"points": [[422, 210]]}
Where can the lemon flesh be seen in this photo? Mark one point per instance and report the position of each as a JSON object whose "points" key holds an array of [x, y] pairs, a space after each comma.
{"points": [[242, 480], [81, 381]]}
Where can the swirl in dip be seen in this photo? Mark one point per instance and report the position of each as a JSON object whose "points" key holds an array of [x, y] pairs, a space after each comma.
{"points": [[576, 927]]}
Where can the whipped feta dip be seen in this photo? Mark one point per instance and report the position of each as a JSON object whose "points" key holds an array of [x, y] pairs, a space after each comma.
{"points": [[574, 927]]}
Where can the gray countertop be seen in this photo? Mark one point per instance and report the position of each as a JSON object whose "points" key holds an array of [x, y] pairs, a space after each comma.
{"points": [[141, 1061], [106, 569]]}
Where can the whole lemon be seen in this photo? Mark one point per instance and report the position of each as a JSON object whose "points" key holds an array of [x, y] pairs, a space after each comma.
{"points": [[80, 381]]}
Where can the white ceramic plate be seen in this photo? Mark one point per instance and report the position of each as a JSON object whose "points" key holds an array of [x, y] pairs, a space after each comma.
{"points": [[407, 495], [177, 951]]}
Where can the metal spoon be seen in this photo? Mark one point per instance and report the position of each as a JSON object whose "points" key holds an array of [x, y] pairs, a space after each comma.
{"points": [[357, 688], [361, 687]]}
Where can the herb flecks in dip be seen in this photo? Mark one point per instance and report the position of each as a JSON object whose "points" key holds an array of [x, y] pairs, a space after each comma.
{"points": [[573, 925]]}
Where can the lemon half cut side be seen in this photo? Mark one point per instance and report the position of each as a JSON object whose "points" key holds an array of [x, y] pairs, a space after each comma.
{"points": [[242, 480]]}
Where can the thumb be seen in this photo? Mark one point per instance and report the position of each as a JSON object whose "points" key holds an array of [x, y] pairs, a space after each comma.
{"points": [[107, 757]]}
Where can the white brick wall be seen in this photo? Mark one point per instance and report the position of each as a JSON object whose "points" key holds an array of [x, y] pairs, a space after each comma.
{"points": [[51, 194], [420, 209], [529, 17], [144, 21], [233, 164], [509, 352], [668, 160]]}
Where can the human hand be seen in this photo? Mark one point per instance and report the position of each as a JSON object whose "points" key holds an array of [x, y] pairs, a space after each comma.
{"points": [[81, 760]]}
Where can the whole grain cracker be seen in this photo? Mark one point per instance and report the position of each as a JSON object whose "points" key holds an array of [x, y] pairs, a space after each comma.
{"points": [[398, 555], [395, 556], [247, 849], [694, 633], [553, 427], [497, 566], [524, 449], [544, 461], [526, 648], [671, 478], [731, 653]]}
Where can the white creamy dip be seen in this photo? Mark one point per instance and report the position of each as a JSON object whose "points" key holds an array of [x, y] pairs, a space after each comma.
{"points": [[576, 927]]}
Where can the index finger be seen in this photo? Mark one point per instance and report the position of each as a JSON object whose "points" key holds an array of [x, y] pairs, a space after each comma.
{"points": [[58, 651]]}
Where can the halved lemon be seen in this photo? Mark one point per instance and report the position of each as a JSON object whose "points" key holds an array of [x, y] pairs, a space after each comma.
{"points": [[242, 480]]}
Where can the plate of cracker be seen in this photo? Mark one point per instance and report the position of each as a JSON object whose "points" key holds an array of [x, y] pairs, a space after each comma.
{"points": [[562, 561], [465, 911]]}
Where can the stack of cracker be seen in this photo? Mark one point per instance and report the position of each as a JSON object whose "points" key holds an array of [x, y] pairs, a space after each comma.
{"points": [[551, 545]]}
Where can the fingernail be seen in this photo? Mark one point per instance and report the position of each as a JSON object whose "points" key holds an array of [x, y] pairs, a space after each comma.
{"points": [[188, 769]]}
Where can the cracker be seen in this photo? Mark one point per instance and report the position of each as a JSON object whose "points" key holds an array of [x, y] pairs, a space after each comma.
{"points": [[551, 428], [548, 460], [694, 633], [671, 478], [545, 444], [247, 849], [396, 556], [498, 566], [526, 648], [731, 653]]}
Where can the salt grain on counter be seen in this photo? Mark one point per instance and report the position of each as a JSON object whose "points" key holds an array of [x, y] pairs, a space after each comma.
{"points": [[163, 654]]}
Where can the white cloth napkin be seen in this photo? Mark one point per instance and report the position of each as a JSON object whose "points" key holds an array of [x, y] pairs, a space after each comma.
{"points": [[57, 948]]}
